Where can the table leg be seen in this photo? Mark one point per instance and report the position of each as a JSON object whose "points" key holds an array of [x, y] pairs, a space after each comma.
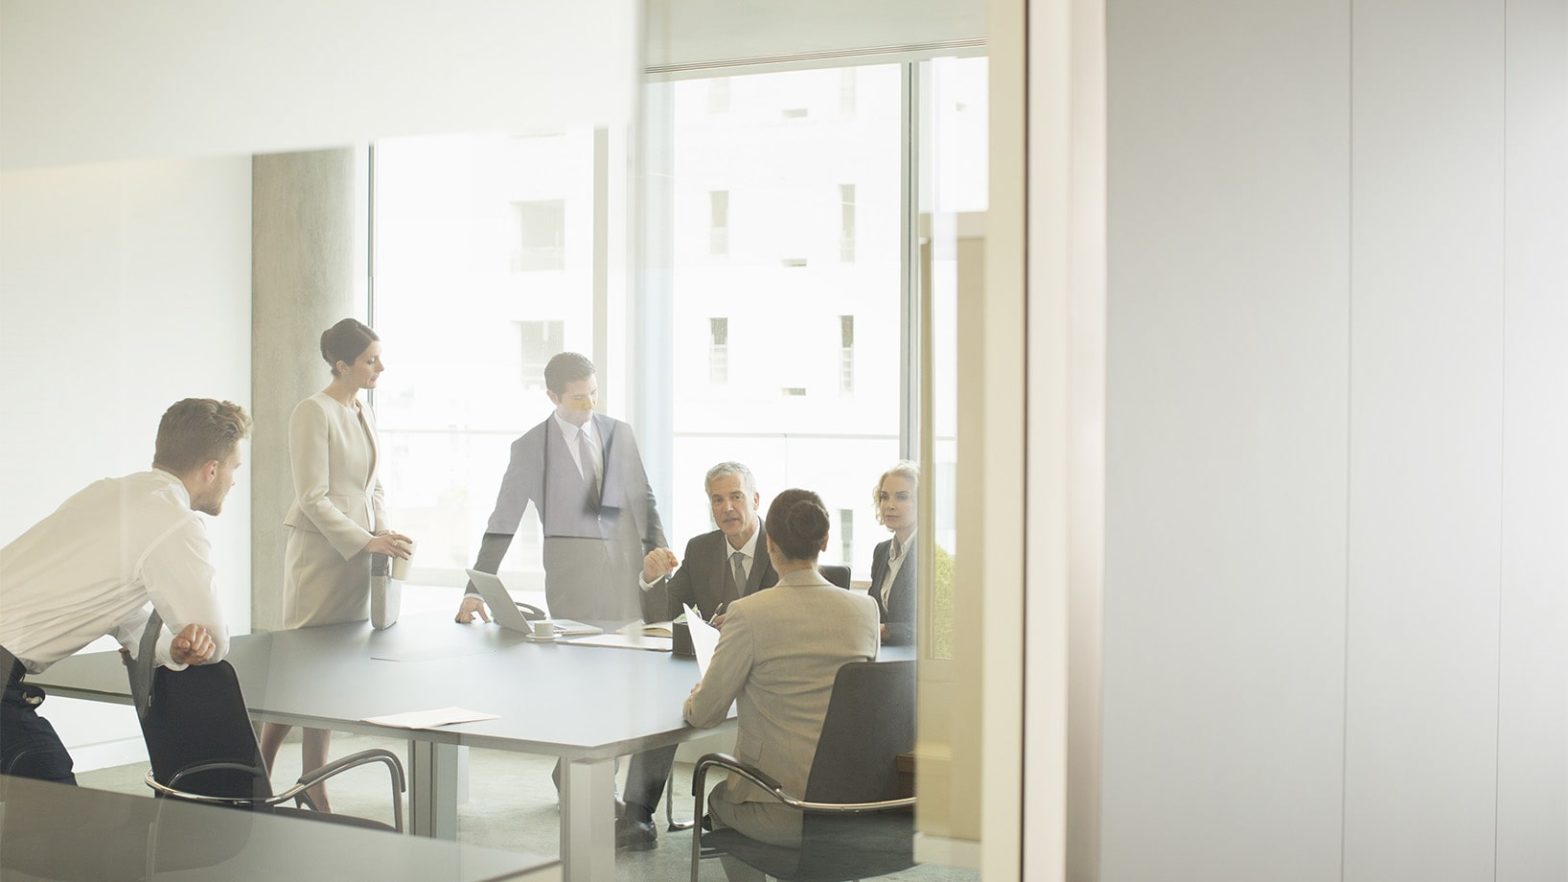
{"points": [[588, 820], [432, 789]]}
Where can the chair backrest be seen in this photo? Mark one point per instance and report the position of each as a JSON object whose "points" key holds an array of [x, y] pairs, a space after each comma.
{"points": [[198, 716], [838, 574], [870, 721]]}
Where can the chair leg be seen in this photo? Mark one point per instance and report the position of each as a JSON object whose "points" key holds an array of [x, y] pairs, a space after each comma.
{"points": [[671, 824]]}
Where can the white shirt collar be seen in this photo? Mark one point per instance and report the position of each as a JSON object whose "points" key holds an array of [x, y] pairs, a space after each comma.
{"points": [[748, 548], [176, 483], [570, 430], [903, 547]]}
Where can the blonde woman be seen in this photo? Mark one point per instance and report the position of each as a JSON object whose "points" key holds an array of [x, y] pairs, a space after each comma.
{"points": [[338, 519], [893, 563]]}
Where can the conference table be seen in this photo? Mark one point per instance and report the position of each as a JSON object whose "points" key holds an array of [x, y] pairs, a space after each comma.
{"points": [[57, 832], [585, 705]]}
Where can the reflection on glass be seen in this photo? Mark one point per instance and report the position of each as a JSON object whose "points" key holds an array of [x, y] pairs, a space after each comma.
{"points": [[952, 188]]}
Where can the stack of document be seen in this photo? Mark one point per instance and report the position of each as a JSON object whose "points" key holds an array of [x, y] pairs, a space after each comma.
{"points": [[574, 628]]}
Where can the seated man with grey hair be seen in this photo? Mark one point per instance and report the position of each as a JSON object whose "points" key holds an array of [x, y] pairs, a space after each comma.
{"points": [[719, 567]]}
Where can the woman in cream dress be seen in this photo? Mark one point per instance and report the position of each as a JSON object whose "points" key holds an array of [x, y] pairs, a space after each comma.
{"points": [[337, 520]]}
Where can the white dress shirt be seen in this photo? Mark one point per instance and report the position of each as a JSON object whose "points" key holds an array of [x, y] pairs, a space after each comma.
{"points": [[748, 556], [573, 445], [894, 564], [91, 567]]}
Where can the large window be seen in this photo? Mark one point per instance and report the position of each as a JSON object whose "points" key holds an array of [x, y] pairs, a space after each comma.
{"points": [[483, 249], [787, 351]]}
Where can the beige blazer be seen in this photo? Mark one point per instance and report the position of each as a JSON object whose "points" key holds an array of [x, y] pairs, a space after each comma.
{"points": [[777, 656], [337, 492]]}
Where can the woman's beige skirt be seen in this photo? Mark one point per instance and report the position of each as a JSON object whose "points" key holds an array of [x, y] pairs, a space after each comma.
{"points": [[319, 586]]}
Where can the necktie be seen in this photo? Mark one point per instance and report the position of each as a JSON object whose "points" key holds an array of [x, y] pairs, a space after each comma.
{"points": [[590, 462], [739, 570]]}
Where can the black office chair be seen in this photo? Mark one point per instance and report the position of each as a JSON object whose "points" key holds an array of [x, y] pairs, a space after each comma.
{"points": [[855, 824], [838, 574], [203, 749]]}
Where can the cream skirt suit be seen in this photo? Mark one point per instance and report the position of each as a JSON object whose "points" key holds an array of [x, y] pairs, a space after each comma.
{"points": [[337, 510]]}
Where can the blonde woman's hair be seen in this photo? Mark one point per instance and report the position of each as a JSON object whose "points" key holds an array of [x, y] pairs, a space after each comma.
{"points": [[904, 469]]}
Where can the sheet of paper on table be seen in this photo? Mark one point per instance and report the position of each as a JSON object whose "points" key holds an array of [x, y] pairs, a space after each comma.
{"points": [[704, 638], [624, 641], [431, 719]]}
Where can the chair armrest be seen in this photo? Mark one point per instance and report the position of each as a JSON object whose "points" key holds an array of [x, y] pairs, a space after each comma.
{"points": [[171, 789], [776, 790], [354, 760], [773, 789]]}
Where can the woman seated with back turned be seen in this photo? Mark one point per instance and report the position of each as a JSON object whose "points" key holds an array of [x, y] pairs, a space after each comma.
{"points": [[777, 655]]}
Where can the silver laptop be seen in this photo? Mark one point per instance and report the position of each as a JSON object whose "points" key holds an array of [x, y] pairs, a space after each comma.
{"points": [[506, 613]]}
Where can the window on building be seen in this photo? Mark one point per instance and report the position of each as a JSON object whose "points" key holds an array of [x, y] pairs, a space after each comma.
{"points": [[541, 235], [846, 355], [719, 351], [846, 90], [846, 223], [540, 342], [456, 217], [784, 279], [718, 222]]}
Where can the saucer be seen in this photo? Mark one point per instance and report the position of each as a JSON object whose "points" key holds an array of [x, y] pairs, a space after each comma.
{"points": [[533, 639]]}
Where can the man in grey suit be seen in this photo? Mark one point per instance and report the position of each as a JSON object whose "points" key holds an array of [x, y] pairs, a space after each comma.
{"points": [[584, 476], [719, 568]]}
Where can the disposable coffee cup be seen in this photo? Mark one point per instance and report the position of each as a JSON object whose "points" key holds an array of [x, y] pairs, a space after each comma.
{"points": [[544, 629], [400, 565]]}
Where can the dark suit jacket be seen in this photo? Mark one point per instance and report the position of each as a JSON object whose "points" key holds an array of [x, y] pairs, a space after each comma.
{"points": [[898, 613], [626, 507], [700, 579]]}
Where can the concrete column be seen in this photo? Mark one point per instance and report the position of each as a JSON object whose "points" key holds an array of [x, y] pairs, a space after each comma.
{"points": [[307, 261]]}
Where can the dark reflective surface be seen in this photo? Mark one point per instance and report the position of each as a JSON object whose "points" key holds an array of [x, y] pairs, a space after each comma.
{"points": [[51, 831]]}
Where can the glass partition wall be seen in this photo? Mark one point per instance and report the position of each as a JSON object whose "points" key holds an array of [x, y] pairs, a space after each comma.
{"points": [[799, 241]]}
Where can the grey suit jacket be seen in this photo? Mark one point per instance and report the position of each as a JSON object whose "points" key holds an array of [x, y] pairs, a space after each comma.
{"points": [[624, 488], [777, 656], [700, 579], [624, 495], [898, 612]]}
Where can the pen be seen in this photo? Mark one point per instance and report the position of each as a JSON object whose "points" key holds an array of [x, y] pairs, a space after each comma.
{"points": [[717, 611]]}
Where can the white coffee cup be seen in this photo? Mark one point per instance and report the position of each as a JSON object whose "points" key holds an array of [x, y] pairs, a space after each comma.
{"points": [[544, 629], [400, 565]]}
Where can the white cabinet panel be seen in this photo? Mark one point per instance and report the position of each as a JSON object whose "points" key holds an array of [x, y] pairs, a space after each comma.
{"points": [[1228, 334], [1532, 764], [1426, 440]]}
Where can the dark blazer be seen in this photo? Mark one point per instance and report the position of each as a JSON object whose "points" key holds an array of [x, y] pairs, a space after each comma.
{"points": [[898, 613], [700, 579], [627, 511]]}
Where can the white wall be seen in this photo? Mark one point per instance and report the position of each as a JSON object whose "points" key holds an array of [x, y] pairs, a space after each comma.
{"points": [[686, 33], [1337, 444], [123, 288], [163, 78]]}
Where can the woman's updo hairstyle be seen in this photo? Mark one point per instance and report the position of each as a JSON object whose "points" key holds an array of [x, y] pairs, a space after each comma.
{"points": [[797, 522], [346, 341]]}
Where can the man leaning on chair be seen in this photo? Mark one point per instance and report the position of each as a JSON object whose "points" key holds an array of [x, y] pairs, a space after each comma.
{"points": [[90, 568]]}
